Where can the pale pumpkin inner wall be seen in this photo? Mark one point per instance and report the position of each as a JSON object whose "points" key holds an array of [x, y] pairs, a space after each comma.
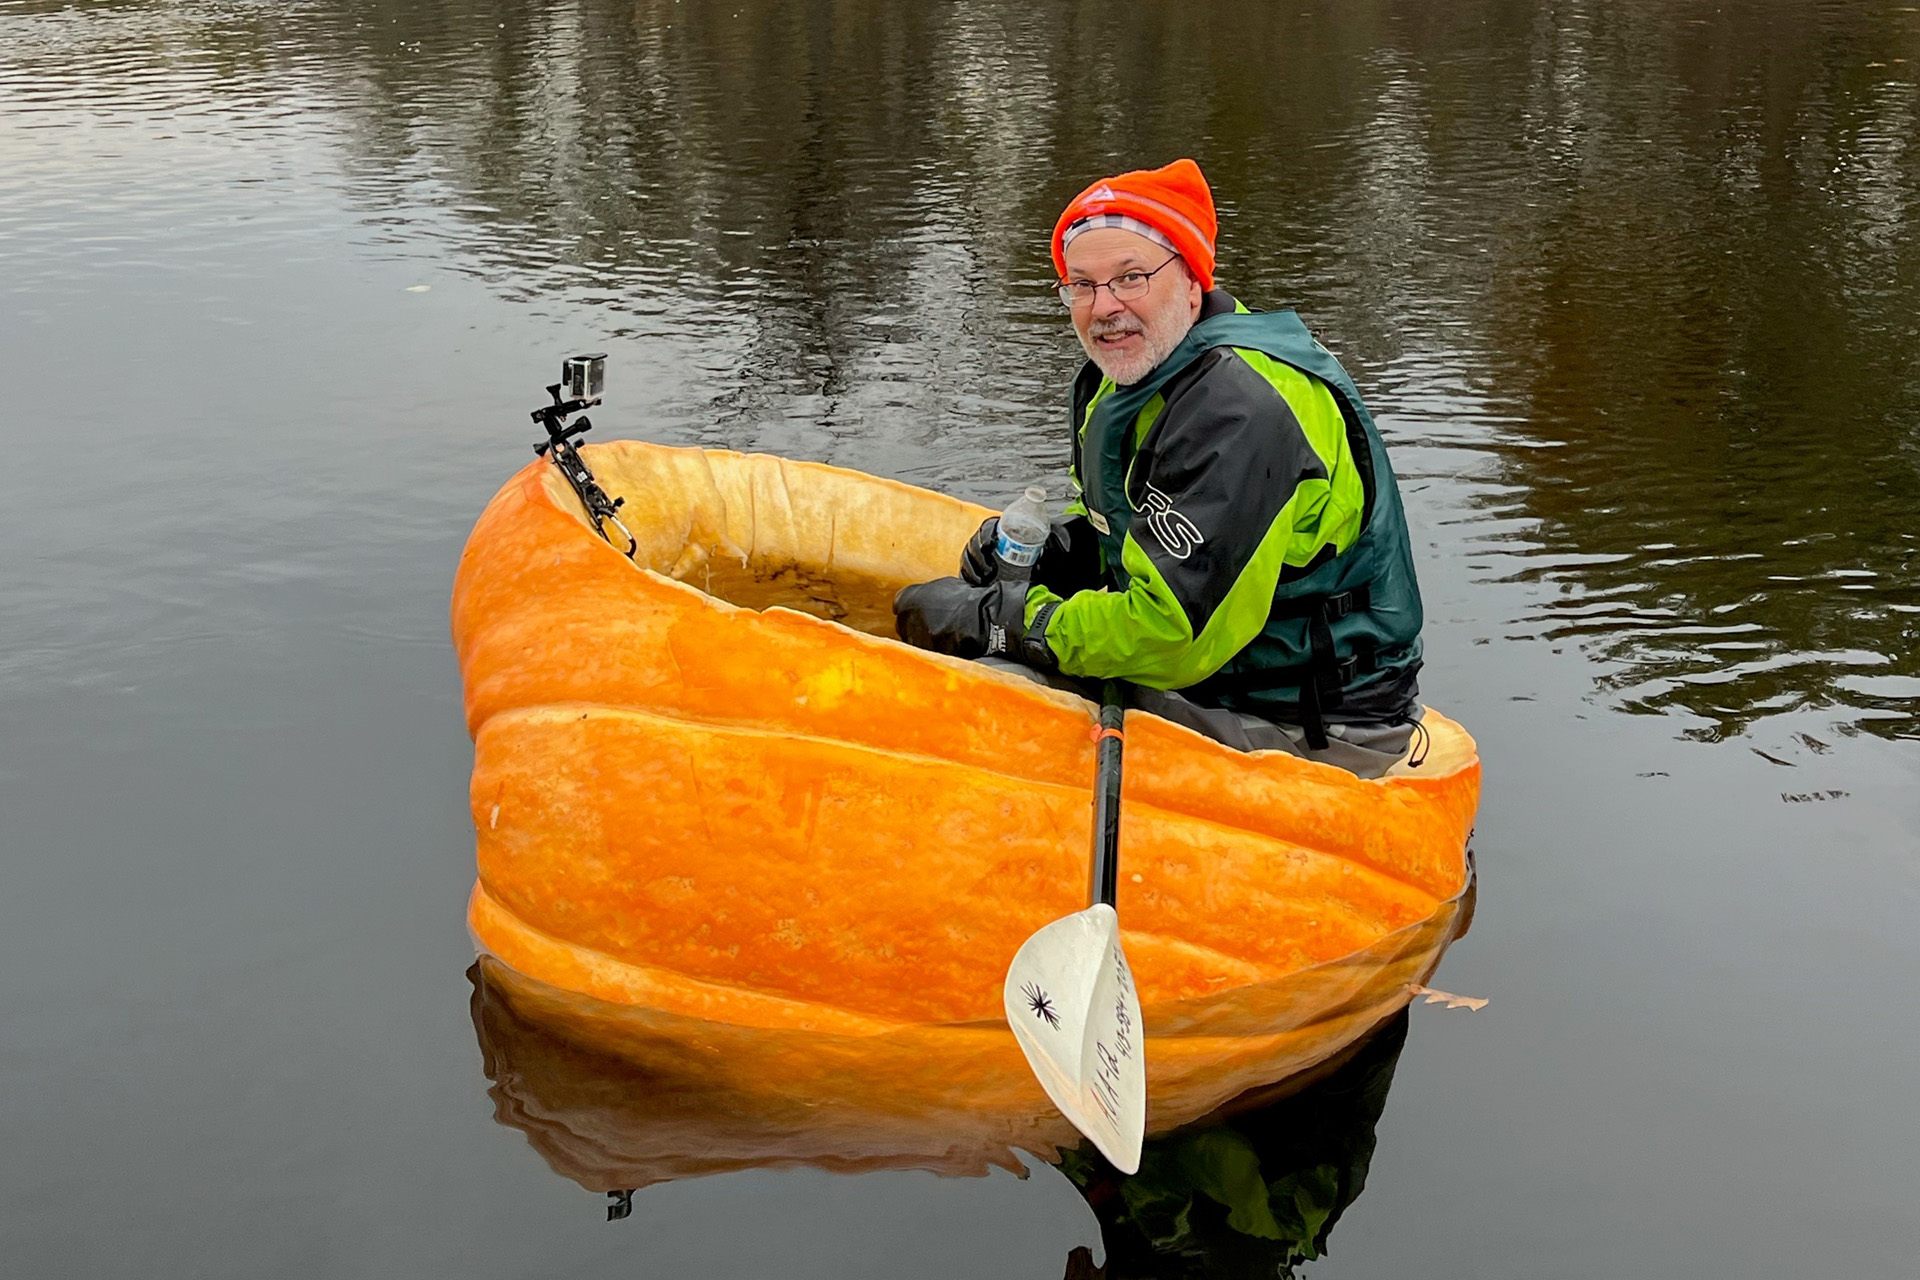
{"points": [[759, 531]]}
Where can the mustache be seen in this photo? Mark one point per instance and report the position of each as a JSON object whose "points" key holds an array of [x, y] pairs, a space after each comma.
{"points": [[1114, 326]]}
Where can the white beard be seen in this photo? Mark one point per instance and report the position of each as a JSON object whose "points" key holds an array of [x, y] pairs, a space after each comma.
{"points": [[1162, 332]]}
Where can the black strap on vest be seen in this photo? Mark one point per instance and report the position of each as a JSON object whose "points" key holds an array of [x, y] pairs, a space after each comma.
{"points": [[1325, 675]]}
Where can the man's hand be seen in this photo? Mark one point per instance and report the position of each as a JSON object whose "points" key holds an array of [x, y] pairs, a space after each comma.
{"points": [[950, 615], [978, 563], [1069, 562]]}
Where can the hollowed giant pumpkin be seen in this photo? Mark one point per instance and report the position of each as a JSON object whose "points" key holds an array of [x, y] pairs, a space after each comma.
{"points": [[713, 792]]}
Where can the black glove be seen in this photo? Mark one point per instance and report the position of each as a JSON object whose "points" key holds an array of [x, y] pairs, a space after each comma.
{"points": [[1069, 562], [950, 615], [978, 563]]}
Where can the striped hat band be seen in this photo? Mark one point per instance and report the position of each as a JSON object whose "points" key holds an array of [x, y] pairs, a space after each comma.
{"points": [[1118, 222]]}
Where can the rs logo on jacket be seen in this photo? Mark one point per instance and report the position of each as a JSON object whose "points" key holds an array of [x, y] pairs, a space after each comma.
{"points": [[1177, 534]]}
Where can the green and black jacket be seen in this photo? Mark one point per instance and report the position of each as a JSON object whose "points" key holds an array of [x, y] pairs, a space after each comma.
{"points": [[1243, 539]]}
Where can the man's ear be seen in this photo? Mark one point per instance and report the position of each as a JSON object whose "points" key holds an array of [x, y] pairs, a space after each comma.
{"points": [[1194, 293]]}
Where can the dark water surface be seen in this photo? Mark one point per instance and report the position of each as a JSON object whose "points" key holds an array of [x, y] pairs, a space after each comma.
{"points": [[1634, 288]]}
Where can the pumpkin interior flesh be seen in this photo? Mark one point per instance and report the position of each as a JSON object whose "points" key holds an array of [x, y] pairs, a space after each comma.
{"points": [[760, 532], [860, 601]]}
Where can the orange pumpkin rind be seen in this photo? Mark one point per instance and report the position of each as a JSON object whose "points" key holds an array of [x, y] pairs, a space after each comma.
{"points": [[712, 792]]}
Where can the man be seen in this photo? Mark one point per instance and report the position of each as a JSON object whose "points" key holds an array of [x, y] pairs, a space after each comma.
{"points": [[1236, 548]]}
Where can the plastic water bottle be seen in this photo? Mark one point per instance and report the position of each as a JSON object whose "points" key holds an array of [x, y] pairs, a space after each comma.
{"points": [[1023, 530]]}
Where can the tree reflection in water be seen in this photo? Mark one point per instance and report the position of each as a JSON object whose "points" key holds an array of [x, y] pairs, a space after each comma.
{"points": [[1644, 269], [1630, 283], [1251, 1190]]}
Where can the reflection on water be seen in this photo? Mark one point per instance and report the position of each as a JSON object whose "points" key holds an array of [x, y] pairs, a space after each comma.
{"points": [[614, 1105], [1252, 1189], [1707, 307], [1642, 274]]}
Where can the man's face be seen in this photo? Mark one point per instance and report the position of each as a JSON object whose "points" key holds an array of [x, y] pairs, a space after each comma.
{"points": [[1129, 338]]}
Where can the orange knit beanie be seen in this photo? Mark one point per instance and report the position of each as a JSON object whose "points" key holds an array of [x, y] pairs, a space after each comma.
{"points": [[1173, 201]]}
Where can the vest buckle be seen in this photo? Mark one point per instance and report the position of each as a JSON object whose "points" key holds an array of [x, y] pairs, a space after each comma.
{"points": [[1339, 605]]}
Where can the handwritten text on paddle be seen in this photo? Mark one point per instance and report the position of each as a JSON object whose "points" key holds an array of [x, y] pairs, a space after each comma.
{"points": [[1104, 1087]]}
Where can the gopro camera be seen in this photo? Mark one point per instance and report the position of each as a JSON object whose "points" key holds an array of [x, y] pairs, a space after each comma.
{"points": [[583, 377]]}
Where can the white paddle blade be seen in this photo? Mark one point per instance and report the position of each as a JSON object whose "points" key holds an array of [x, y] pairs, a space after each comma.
{"points": [[1071, 1004]]}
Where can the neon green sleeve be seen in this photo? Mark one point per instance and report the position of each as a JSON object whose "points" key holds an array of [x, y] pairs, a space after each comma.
{"points": [[1142, 634]]}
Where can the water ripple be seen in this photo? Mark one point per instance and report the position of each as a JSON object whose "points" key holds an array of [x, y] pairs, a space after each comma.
{"points": [[1640, 330]]}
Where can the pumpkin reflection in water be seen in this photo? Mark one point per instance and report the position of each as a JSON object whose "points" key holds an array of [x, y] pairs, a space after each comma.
{"points": [[1252, 1189]]}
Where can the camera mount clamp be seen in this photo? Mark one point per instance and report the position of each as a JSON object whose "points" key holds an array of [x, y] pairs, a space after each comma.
{"points": [[581, 376]]}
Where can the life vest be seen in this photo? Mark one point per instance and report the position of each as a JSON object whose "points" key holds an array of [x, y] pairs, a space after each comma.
{"points": [[1348, 622]]}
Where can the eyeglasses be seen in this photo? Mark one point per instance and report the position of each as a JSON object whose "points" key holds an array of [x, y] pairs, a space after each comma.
{"points": [[1125, 287]]}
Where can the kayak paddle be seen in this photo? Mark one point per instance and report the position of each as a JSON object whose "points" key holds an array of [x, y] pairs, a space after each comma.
{"points": [[1069, 995]]}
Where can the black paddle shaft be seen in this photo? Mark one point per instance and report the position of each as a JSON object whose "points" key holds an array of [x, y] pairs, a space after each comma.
{"points": [[1106, 796]]}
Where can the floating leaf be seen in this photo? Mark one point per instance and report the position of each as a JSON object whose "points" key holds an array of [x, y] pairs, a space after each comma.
{"points": [[1452, 1001]]}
